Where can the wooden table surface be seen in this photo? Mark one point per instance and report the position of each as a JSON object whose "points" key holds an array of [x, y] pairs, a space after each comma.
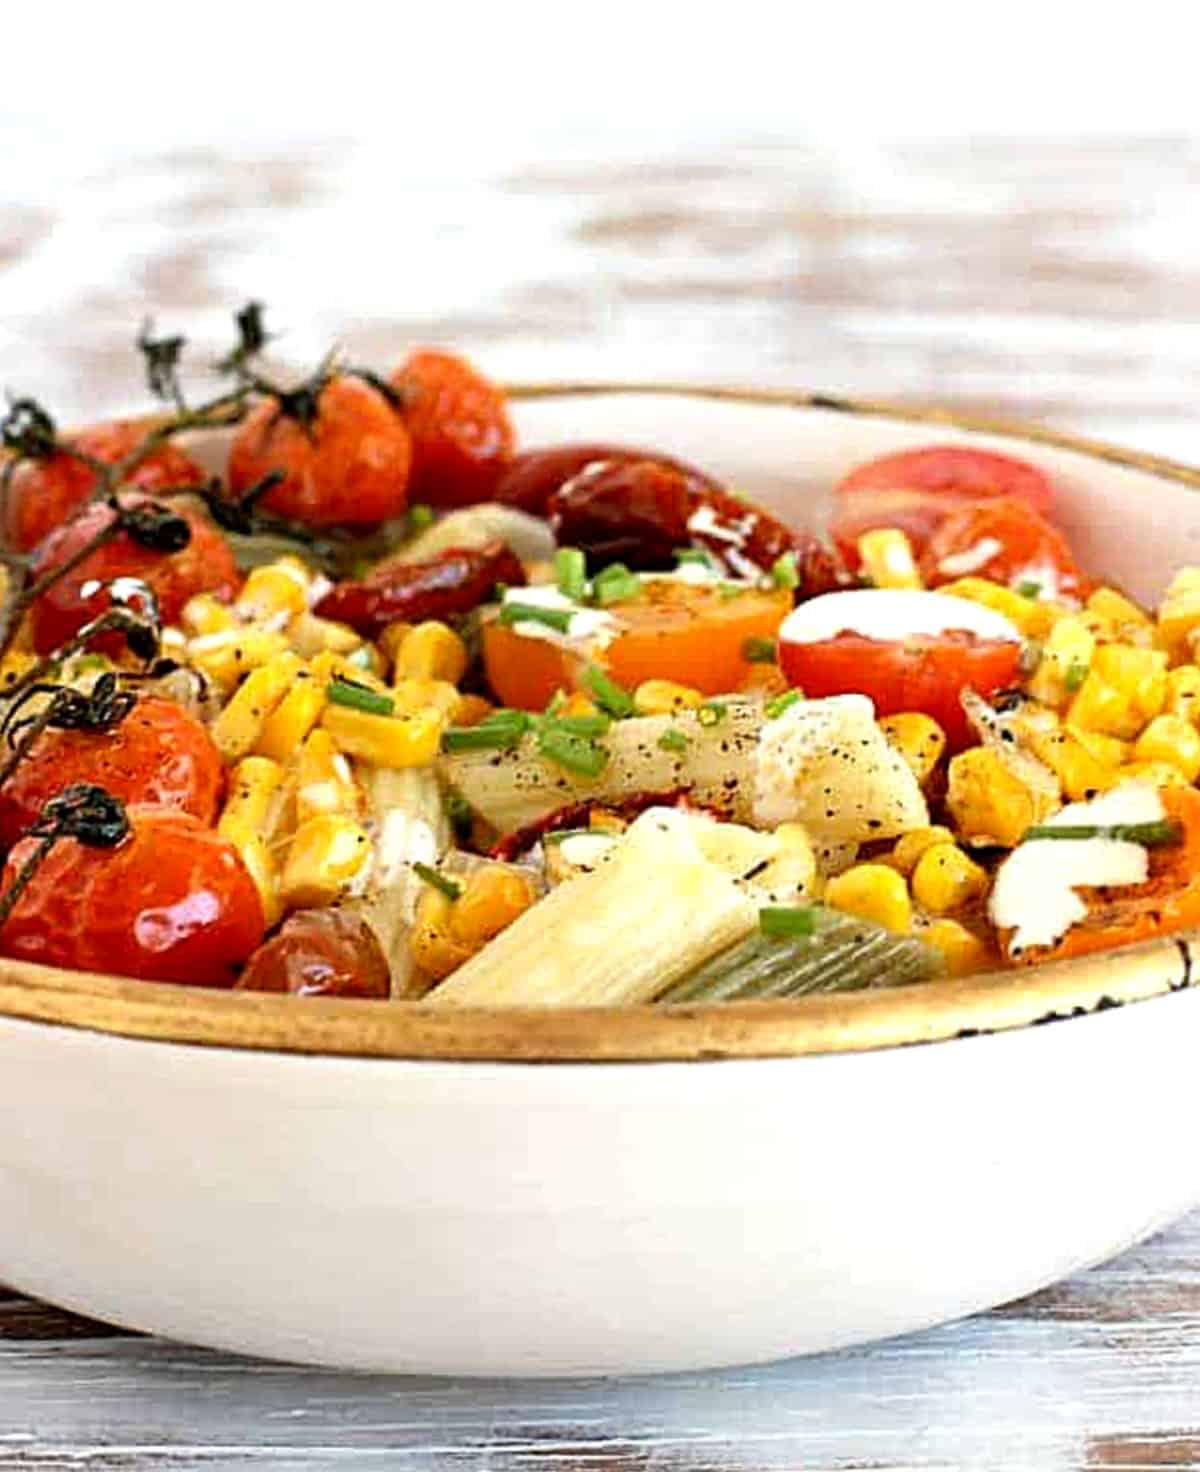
{"points": [[1050, 279]]}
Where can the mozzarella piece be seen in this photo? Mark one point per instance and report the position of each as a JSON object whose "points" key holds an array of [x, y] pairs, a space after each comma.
{"points": [[1034, 894], [892, 614]]}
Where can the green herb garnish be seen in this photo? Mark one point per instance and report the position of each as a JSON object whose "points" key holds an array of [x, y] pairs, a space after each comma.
{"points": [[609, 696], [776, 707], [458, 810], [576, 753], [784, 572], [783, 920], [360, 697], [712, 712], [441, 882], [672, 740], [1153, 834], [615, 584], [570, 572], [757, 650], [536, 613], [420, 516], [1077, 672], [1029, 588], [582, 725], [500, 731]]}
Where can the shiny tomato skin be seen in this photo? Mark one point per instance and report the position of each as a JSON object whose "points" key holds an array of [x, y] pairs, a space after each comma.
{"points": [[171, 902], [1024, 547], [160, 754], [320, 953], [44, 493], [462, 436], [915, 490], [206, 564], [921, 673], [349, 467]]}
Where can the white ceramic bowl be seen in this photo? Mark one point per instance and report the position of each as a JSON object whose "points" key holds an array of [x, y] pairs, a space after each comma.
{"points": [[473, 1217]]}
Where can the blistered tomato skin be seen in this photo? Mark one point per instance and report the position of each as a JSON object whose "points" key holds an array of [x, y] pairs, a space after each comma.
{"points": [[462, 438], [205, 565], [44, 493], [159, 753], [534, 476], [172, 902], [349, 467], [1006, 541], [320, 953]]}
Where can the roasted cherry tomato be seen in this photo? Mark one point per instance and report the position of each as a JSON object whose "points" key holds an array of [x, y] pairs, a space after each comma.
{"points": [[1006, 541], [695, 635], [455, 581], [533, 476], [915, 490], [462, 438], [43, 493], [345, 459], [171, 902], [205, 565], [159, 753], [320, 953]]}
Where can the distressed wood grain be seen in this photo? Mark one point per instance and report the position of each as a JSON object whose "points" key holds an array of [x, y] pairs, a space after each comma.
{"points": [[1048, 279]]}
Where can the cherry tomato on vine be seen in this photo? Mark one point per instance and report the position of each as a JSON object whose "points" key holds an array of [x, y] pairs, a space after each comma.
{"points": [[159, 753], [171, 902], [320, 953], [43, 493], [205, 565], [345, 458], [1004, 540], [462, 437]]}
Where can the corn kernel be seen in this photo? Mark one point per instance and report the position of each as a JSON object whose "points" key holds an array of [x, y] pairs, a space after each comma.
{"points": [[1171, 739], [578, 704], [435, 952], [946, 879], [664, 698], [886, 558], [911, 845], [227, 655], [872, 892], [918, 738], [238, 727], [1125, 688], [1179, 613], [988, 802], [391, 639], [491, 899], [385, 741], [14, 666], [295, 715], [1158, 774], [325, 855], [1081, 773], [431, 651], [1122, 615], [324, 781], [1034, 617], [413, 695], [1183, 692], [309, 635], [205, 614], [472, 709], [253, 785], [275, 590], [962, 950], [1066, 658], [1109, 751]]}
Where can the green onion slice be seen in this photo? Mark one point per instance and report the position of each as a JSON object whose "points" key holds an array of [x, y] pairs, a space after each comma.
{"points": [[608, 695], [576, 753], [1077, 672], [441, 882], [419, 517], [758, 650], [776, 707], [360, 697], [570, 571], [1153, 834], [712, 713], [500, 731], [1029, 588], [787, 920], [615, 584], [582, 725], [784, 572], [673, 741], [535, 613]]}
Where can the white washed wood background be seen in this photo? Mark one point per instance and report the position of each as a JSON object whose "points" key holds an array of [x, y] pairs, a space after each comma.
{"points": [[1040, 277]]}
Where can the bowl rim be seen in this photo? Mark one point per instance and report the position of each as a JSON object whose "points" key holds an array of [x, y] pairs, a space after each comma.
{"points": [[858, 1022]]}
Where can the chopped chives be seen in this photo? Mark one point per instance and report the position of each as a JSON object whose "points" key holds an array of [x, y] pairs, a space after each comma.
{"points": [[609, 696], [692, 554], [780, 920], [458, 810], [419, 517], [784, 572], [441, 882], [501, 731], [615, 584], [570, 572], [576, 753], [776, 707], [730, 590], [360, 697], [672, 740], [582, 725], [1077, 672], [536, 613], [1151, 834], [712, 713], [758, 651], [1029, 588]]}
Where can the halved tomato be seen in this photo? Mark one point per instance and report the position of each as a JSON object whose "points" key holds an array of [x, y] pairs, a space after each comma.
{"points": [[694, 634], [1004, 540]]}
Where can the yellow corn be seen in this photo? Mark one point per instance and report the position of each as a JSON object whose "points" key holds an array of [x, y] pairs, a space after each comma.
{"points": [[391, 639], [324, 781], [664, 698], [238, 727], [490, 901], [1171, 739], [1118, 617], [946, 879], [253, 785], [910, 846], [1158, 774], [1066, 658], [205, 614], [1081, 773], [1034, 617], [962, 950], [297, 713], [385, 741], [14, 666], [872, 892], [226, 656], [435, 952], [1179, 613], [431, 651], [988, 802], [1109, 751], [1125, 688], [1183, 692], [309, 635], [886, 557], [578, 704], [918, 738], [325, 855], [471, 709], [413, 695], [275, 590]]}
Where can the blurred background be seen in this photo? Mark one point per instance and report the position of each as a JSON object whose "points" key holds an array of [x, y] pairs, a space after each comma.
{"points": [[927, 203]]}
